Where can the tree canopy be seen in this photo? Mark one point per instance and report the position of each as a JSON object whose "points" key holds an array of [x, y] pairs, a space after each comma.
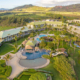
{"points": [[38, 76], [62, 65]]}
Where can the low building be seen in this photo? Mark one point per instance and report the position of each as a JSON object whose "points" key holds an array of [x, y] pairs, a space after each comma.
{"points": [[73, 29], [36, 24], [75, 20], [8, 35], [30, 45], [42, 23], [61, 51]]}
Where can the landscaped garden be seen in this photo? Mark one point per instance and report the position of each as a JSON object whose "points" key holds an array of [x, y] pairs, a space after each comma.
{"points": [[5, 70], [61, 67]]}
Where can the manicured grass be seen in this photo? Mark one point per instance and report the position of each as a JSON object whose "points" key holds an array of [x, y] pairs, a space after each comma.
{"points": [[24, 77], [5, 71], [43, 22], [5, 28], [50, 68], [6, 47]]}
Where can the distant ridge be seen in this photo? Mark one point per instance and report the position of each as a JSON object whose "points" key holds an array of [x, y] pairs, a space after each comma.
{"points": [[70, 8], [30, 7], [2, 9], [24, 6]]}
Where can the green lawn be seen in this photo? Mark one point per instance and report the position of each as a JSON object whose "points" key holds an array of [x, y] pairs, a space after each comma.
{"points": [[24, 77], [5, 28], [50, 68], [5, 48]]}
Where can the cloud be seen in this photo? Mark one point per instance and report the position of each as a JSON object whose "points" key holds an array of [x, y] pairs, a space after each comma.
{"points": [[57, 2]]}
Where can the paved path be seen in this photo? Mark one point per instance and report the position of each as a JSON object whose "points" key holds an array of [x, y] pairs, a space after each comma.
{"points": [[17, 68]]}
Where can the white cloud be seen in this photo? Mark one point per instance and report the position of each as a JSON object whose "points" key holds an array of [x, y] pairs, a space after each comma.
{"points": [[57, 2]]}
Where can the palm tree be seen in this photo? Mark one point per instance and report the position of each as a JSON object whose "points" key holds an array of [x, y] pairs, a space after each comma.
{"points": [[15, 38], [62, 38], [70, 29], [7, 57], [20, 33], [31, 35], [74, 39], [54, 42], [57, 40], [51, 54]]}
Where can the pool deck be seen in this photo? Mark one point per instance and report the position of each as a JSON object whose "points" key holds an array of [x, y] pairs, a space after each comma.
{"points": [[42, 34], [17, 68]]}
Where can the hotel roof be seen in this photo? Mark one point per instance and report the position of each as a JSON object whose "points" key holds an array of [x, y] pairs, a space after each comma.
{"points": [[13, 31], [47, 22]]}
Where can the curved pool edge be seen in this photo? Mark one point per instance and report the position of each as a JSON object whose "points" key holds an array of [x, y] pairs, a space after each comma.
{"points": [[36, 67]]}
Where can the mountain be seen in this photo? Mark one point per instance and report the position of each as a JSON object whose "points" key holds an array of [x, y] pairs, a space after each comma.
{"points": [[70, 8], [21, 7], [30, 8], [33, 8], [3, 9]]}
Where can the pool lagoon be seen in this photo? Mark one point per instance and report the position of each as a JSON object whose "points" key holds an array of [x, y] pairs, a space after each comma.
{"points": [[40, 37], [35, 55]]}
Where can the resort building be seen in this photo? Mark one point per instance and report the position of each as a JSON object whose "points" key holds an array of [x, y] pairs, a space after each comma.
{"points": [[9, 35], [60, 51], [75, 20], [36, 24], [73, 29], [42, 23], [30, 45]]}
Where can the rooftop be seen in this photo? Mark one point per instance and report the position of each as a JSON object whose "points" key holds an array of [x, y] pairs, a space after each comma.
{"points": [[31, 42], [43, 22], [13, 31]]}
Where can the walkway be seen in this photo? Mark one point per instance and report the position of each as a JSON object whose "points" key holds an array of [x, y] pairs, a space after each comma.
{"points": [[17, 68]]}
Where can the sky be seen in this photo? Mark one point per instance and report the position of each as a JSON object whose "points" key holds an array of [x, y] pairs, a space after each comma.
{"points": [[45, 3]]}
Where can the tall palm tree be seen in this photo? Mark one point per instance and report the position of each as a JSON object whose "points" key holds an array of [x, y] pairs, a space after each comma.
{"points": [[74, 39], [57, 40], [20, 33], [51, 54], [54, 42], [7, 57]]}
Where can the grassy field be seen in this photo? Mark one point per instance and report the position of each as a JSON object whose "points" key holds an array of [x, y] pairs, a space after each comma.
{"points": [[50, 68], [67, 13], [6, 47], [5, 28]]}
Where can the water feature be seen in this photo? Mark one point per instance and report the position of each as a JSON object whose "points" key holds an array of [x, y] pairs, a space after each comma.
{"points": [[35, 55], [76, 45], [40, 37]]}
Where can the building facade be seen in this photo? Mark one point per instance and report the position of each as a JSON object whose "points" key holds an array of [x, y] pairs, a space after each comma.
{"points": [[9, 35]]}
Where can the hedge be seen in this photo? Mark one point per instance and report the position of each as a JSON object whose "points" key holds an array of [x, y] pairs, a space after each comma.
{"points": [[8, 71]]}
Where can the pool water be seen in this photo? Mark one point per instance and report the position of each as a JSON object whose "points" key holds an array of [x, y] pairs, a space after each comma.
{"points": [[76, 45], [35, 55], [40, 37]]}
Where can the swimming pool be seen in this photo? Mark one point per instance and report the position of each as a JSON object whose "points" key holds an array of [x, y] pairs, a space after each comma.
{"points": [[40, 37], [35, 55], [76, 45]]}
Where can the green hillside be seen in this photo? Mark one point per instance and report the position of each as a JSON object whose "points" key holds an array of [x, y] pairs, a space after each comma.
{"points": [[30, 8], [69, 8]]}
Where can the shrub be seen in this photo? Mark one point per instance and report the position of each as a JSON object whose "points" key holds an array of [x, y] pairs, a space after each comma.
{"points": [[8, 71], [38, 76], [3, 64], [46, 56], [31, 70]]}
